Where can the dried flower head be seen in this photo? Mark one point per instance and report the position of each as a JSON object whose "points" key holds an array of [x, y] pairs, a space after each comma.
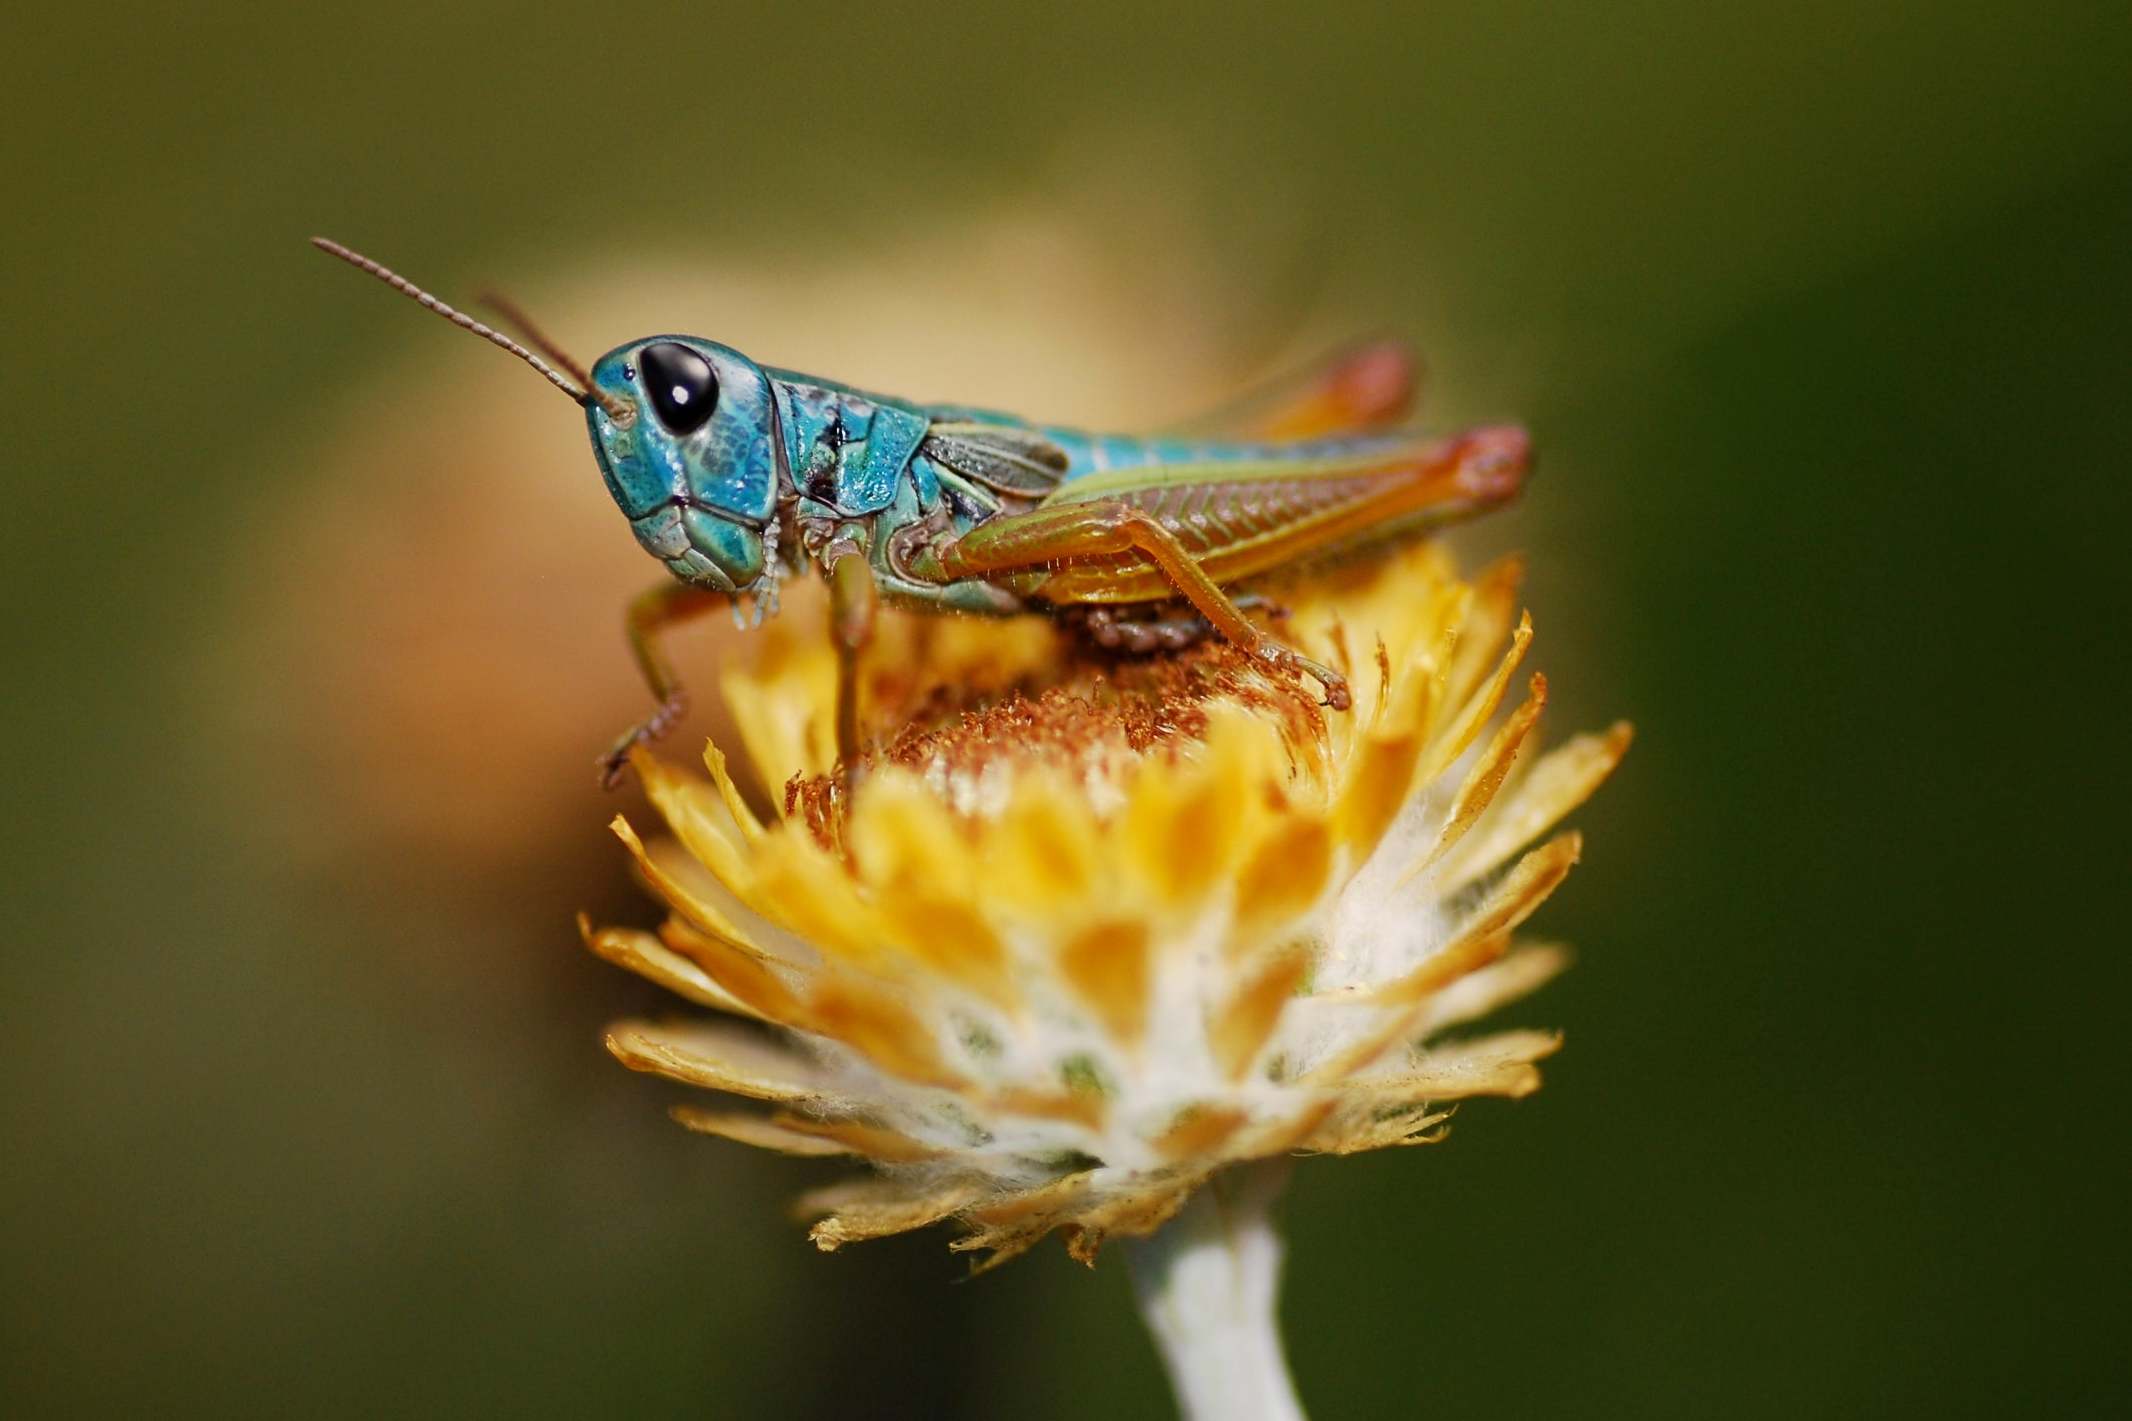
{"points": [[1090, 929]]}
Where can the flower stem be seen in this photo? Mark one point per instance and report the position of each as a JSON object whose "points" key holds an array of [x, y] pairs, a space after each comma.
{"points": [[1207, 1282]]}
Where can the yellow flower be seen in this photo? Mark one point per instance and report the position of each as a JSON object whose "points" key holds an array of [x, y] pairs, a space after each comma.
{"points": [[1089, 930]]}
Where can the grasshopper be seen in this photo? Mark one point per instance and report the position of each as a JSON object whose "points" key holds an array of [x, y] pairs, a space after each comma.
{"points": [[736, 475]]}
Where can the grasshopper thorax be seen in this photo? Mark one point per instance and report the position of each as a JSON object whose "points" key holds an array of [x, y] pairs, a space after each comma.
{"points": [[694, 468]]}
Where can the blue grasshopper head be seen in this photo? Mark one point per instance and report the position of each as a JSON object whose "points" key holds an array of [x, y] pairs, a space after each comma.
{"points": [[683, 429]]}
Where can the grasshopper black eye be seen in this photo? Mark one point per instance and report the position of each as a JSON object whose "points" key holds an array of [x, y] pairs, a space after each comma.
{"points": [[680, 385]]}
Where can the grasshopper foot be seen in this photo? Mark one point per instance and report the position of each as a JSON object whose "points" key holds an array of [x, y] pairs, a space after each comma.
{"points": [[652, 728], [1294, 663]]}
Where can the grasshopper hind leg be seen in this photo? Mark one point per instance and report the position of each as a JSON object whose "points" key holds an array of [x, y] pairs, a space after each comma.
{"points": [[1103, 530]]}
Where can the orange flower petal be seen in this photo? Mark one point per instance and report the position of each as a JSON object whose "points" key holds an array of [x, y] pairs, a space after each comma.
{"points": [[1563, 779], [1242, 1027], [1107, 965], [880, 1027], [717, 1056]]}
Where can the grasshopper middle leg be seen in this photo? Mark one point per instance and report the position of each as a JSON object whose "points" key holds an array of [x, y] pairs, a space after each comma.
{"points": [[851, 630], [1068, 532]]}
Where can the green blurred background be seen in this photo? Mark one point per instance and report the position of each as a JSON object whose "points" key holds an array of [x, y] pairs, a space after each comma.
{"points": [[1819, 313]]}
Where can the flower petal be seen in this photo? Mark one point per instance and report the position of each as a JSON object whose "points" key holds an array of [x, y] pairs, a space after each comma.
{"points": [[783, 702], [1563, 779], [809, 892], [808, 1135], [1487, 620], [1523, 971], [1186, 820], [875, 1208], [1042, 856], [1107, 965], [1479, 788], [652, 960], [880, 1027], [718, 1056], [1134, 1213], [1199, 1131], [1380, 769], [1009, 1225], [761, 1131], [742, 975], [1352, 1134], [744, 818], [1521, 891], [1501, 1064], [700, 816], [1285, 876], [1241, 1028], [1466, 723], [688, 899]]}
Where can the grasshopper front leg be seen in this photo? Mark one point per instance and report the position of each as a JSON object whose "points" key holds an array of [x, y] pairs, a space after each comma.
{"points": [[651, 613], [1096, 530]]}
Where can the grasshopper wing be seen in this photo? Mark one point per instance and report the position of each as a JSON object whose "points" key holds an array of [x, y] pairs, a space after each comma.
{"points": [[1366, 387], [1009, 459]]}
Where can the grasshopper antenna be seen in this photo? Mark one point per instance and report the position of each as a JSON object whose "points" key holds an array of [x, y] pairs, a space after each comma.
{"points": [[514, 315], [580, 389]]}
